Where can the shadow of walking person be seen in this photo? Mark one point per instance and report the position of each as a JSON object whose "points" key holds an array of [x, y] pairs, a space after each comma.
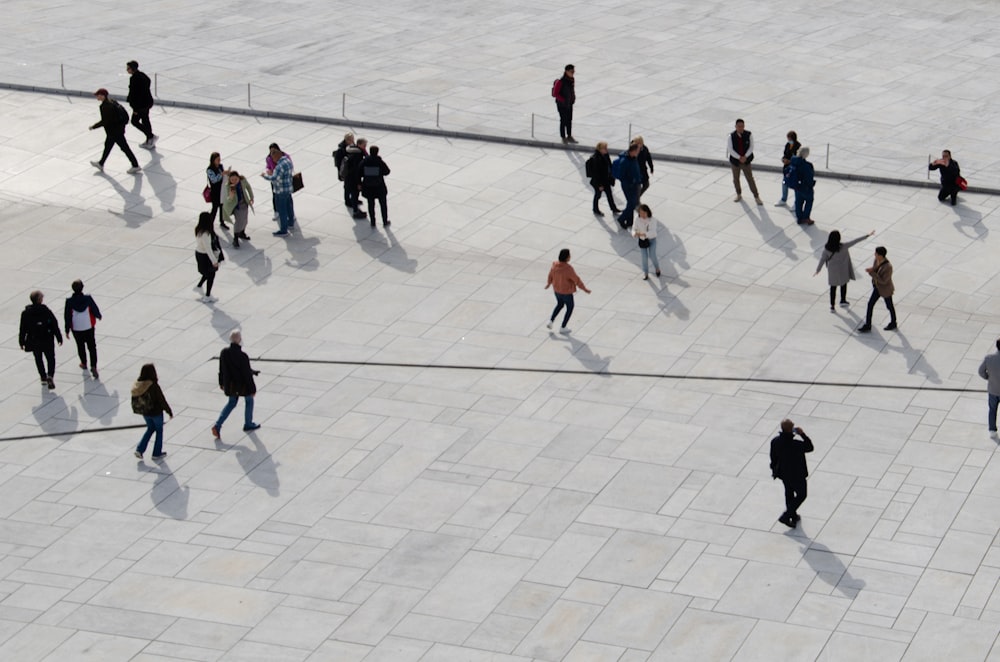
{"points": [[396, 256], [54, 415], [258, 465], [134, 211], [828, 566], [168, 496], [222, 322], [163, 183], [772, 235], [582, 353], [98, 404], [304, 255], [916, 362]]}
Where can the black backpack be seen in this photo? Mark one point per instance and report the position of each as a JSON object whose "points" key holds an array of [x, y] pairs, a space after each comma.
{"points": [[120, 114], [591, 166], [143, 404]]}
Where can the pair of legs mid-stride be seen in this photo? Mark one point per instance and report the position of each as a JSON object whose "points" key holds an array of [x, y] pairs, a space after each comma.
{"points": [[562, 300]]}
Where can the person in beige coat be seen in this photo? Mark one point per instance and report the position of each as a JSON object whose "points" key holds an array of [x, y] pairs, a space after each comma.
{"points": [[881, 273]]}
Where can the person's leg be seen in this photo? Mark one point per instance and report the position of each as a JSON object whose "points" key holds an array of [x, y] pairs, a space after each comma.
{"points": [[892, 310], [226, 411], [631, 201], [954, 197], [109, 142], [799, 205], [843, 294], [569, 309], [784, 192], [611, 200], [833, 296], [563, 120], [800, 491], [652, 255], [81, 348], [789, 497], [158, 441], [140, 120], [284, 214], [597, 199], [991, 419], [383, 203], [91, 340], [555, 311], [736, 178], [942, 194], [645, 185], [569, 120], [371, 210], [147, 435], [247, 411], [807, 209], [241, 214], [644, 253], [40, 365], [209, 281], [871, 306], [50, 359], [291, 210], [748, 173], [123, 145]]}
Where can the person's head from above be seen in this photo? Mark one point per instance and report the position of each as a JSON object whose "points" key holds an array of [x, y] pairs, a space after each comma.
{"points": [[833, 241], [569, 70], [602, 147], [880, 254], [349, 138], [645, 211], [564, 255], [787, 425], [739, 126], [101, 94], [215, 160], [373, 150], [77, 286], [362, 143], [205, 223], [804, 152], [236, 338], [234, 178], [639, 141], [148, 373], [275, 151], [131, 67], [946, 155], [633, 148], [36, 297], [792, 137]]}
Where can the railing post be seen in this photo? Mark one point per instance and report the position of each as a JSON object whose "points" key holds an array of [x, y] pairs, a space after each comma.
{"points": [[828, 156], [929, 161], [437, 119], [62, 76], [156, 85], [629, 133], [248, 96], [532, 125], [343, 105]]}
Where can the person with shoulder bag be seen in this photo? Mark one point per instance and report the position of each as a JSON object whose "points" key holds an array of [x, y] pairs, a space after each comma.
{"points": [[149, 402], [238, 203]]}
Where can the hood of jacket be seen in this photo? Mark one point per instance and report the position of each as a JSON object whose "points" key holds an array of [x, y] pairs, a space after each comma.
{"points": [[139, 388], [79, 302]]}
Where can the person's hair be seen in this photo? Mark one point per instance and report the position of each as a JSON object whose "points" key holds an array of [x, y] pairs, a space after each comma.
{"points": [[361, 141], [204, 223], [348, 136], [148, 373], [274, 146], [804, 152], [36, 296], [233, 173], [998, 344], [639, 140], [77, 286], [946, 151], [833, 242], [633, 145], [881, 251], [739, 120], [236, 336], [564, 255], [601, 144], [794, 137], [569, 67], [645, 208], [787, 425], [133, 65], [211, 159], [373, 150]]}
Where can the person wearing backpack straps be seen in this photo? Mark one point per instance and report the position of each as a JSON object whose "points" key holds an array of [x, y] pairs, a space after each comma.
{"points": [[114, 119], [598, 169], [148, 401], [564, 91], [339, 157]]}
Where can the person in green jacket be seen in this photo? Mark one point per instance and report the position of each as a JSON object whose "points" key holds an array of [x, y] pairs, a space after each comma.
{"points": [[238, 201]]}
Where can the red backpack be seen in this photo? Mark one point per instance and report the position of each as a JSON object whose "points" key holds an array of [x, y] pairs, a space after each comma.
{"points": [[556, 87]]}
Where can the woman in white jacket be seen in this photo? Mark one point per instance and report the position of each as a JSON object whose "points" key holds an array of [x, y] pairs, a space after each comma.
{"points": [[206, 255], [645, 231]]}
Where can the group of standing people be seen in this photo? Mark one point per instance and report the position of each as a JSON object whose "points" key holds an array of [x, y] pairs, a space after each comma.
{"points": [[363, 173]]}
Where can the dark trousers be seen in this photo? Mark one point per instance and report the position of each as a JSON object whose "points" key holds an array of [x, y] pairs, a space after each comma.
{"points": [[631, 202], [351, 193], [803, 204], [113, 139], [383, 204], [140, 120], [563, 300], [795, 494], [85, 342], [49, 352], [565, 119], [946, 192], [607, 193], [206, 270], [833, 294], [645, 184], [871, 306]]}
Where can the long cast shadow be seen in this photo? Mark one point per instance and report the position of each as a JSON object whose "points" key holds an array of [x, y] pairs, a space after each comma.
{"points": [[772, 235], [98, 403], [163, 183], [582, 353], [258, 465], [168, 496], [134, 211]]}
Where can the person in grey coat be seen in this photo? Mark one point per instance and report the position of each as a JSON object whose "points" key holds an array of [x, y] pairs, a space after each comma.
{"points": [[989, 370], [839, 269]]}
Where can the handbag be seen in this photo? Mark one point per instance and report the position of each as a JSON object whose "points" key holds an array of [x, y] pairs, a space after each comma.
{"points": [[644, 243], [961, 183], [297, 182], [207, 193]]}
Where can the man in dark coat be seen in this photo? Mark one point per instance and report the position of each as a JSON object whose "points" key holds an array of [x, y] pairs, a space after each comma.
{"points": [[141, 99], [564, 91], [950, 173], [354, 155], [114, 130], [236, 380], [373, 172], [631, 180], [788, 462], [39, 329]]}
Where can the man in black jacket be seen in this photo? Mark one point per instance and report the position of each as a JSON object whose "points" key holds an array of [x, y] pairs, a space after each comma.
{"points": [[565, 94], [788, 462], [38, 330], [141, 100], [114, 130], [80, 314], [235, 380], [740, 147], [355, 154], [950, 173], [373, 173]]}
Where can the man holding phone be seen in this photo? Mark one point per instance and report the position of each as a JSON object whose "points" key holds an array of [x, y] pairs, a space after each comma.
{"points": [[236, 380], [788, 462]]}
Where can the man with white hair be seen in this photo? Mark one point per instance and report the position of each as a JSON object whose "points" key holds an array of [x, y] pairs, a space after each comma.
{"points": [[236, 380], [802, 177]]}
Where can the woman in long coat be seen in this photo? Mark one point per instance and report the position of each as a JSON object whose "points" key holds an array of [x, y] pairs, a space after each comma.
{"points": [[839, 269]]}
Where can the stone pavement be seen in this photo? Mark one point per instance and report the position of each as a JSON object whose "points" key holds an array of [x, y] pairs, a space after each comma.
{"points": [[883, 88]]}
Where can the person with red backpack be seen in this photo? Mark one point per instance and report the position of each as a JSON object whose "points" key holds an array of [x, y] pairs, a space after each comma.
{"points": [[114, 119], [564, 91]]}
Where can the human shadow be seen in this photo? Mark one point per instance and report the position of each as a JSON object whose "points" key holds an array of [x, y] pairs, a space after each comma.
{"points": [[579, 162], [222, 322], [581, 352], [969, 222], [168, 496], [163, 183], [672, 254], [98, 403], [772, 235], [257, 265], [134, 211], [54, 416], [827, 565], [303, 251], [258, 465], [396, 256], [916, 362]]}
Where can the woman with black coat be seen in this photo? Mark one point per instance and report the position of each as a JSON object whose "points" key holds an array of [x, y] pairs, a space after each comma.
{"points": [[599, 171]]}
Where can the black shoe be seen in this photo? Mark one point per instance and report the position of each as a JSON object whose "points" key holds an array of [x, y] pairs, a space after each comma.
{"points": [[223, 225], [94, 373], [386, 223], [787, 521], [891, 327], [796, 517], [373, 223], [52, 384], [865, 328], [598, 212], [236, 242], [615, 210], [251, 427], [160, 456], [244, 236]]}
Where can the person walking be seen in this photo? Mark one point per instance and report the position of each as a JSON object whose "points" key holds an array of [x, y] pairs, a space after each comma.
{"points": [[238, 203], [801, 176], [645, 231], [564, 90], [216, 174], [236, 381], [38, 334], [645, 162], [740, 149], [598, 169], [839, 269], [114, 119], [354, 155], [80, 315], [564, 281], [788, 463], [631, 179], [791, 149], [280, 177], [950, 172], [207, 254], [339, 157], [148, 401], [989, 370], [373, 173], [881, 273], [140, 98]]}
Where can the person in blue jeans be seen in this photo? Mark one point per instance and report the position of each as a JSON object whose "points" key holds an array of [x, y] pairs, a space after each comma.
{"points": [[236, 381], [645, 230], [281, 186], [791, 149], [148, 399], [631, 180], [989, 370], [802, 177]]}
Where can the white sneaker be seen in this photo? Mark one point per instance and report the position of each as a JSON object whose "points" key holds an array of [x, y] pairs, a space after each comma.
{"points": [[780, 203], [97, 164], [565, 331], [737, 198], [152, 141], [208, 299], [548, 325], [134, 171]]}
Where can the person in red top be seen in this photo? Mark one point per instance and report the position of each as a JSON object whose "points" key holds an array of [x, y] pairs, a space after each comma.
{"points": [[564, 282]]}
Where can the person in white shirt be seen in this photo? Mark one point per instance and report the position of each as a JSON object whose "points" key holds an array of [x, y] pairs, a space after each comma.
{"points": [[645, 231], [206, 255], [80, 316], [740, 149]]}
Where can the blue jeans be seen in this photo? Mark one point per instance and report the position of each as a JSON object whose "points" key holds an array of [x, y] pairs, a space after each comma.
{"points": [[283, 205], [992, 420], [803, 204], [563, 300], [647, 253], [631, 202], [231, 405], [153, 424], [784, 191]]}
